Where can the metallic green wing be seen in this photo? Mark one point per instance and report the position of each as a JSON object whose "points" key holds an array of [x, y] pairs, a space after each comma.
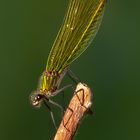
{"points": [[79, 27]]}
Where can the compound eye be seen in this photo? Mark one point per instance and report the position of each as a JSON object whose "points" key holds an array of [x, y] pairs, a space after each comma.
{"points": [[39, 97]]}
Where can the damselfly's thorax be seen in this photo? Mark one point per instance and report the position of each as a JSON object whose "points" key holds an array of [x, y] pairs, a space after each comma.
{"points": [[50, 82], [48, 85]]}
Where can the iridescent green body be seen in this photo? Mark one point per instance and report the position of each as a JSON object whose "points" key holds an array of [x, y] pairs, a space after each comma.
{"points": [[79, 28]]}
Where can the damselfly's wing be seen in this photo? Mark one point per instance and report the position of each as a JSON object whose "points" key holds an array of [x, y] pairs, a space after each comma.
{"points": [[80, 26]]}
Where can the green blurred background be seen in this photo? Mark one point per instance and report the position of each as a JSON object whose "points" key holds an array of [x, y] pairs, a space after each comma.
{"points": [[110, 66]]}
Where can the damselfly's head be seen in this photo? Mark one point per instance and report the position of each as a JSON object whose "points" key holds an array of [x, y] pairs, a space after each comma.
{"points": [[36, 99]]}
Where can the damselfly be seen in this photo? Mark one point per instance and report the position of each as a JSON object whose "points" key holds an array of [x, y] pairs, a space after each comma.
{"points": [[79, 28]]}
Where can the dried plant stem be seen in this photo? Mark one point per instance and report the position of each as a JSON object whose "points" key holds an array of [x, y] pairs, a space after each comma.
{"points": [[78, 106]]}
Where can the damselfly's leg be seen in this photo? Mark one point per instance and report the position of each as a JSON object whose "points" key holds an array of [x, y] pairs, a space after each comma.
{"points": [[73, 77], [61, 89], [62, 92], [55, 104], [47, 100], [63, 100], [51, 113]]}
